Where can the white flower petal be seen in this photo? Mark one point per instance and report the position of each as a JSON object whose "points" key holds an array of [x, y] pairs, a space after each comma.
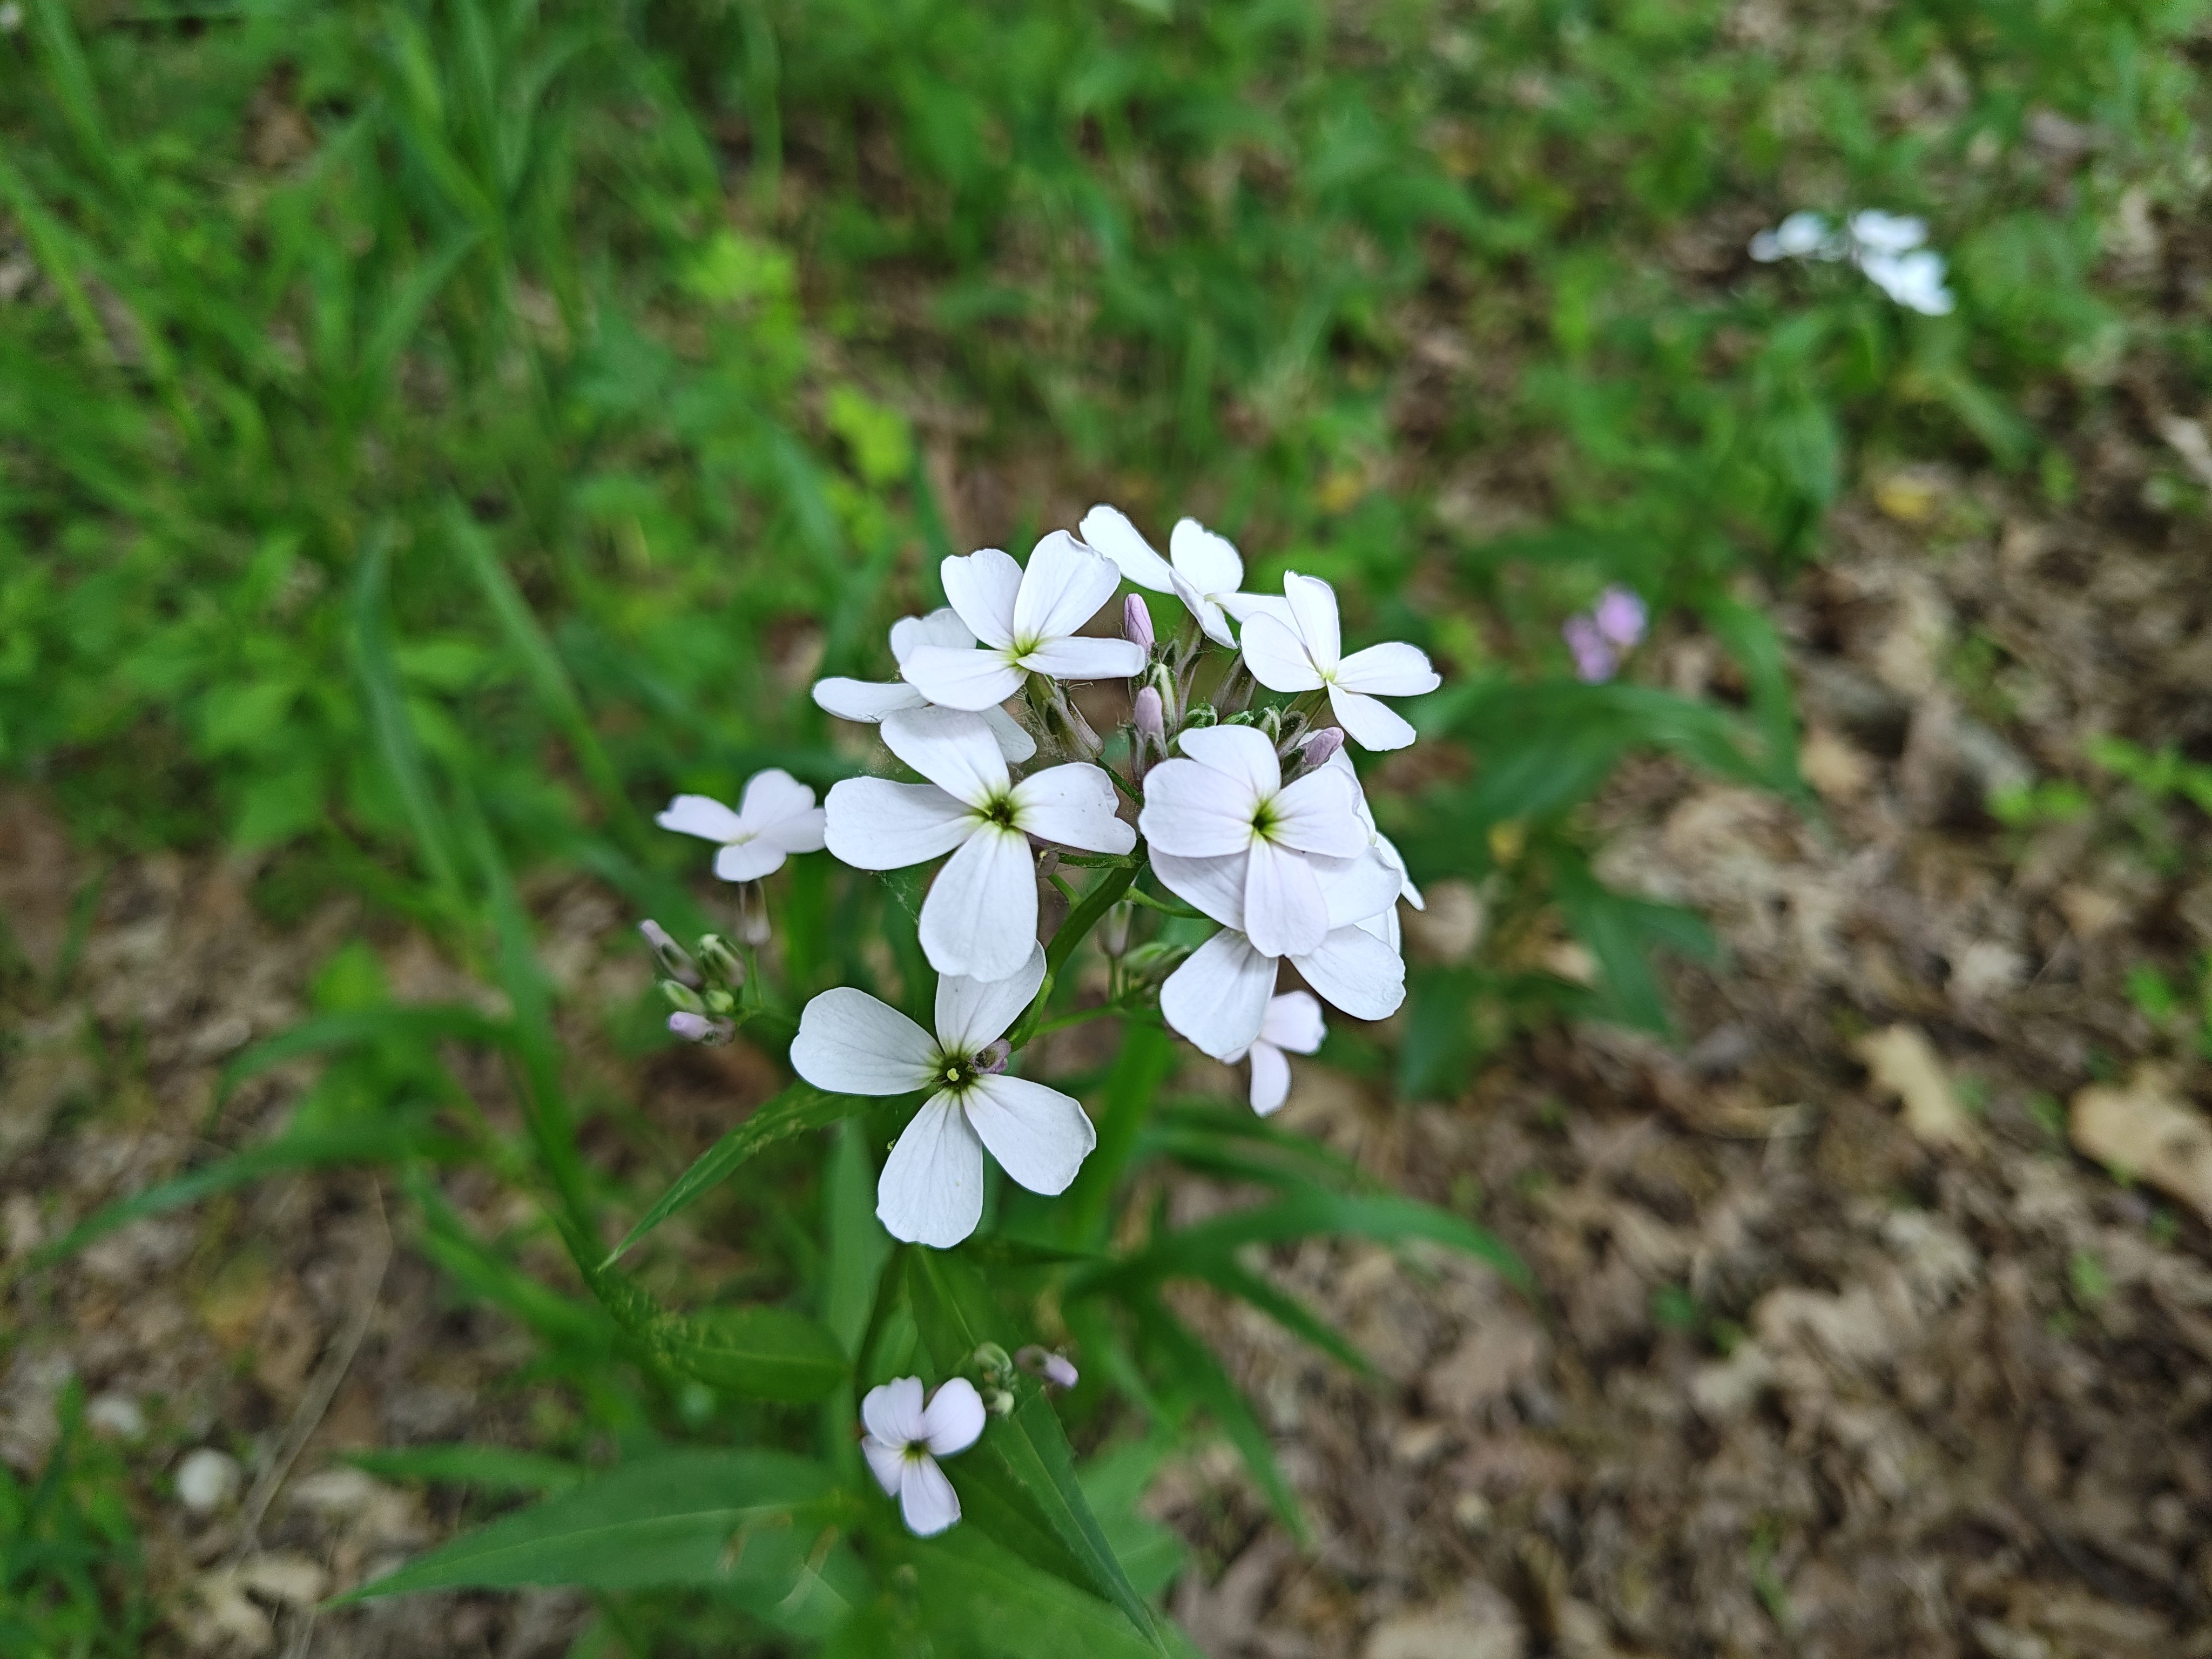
{"points": [[886, 1462], [1079, 657], [1218, 998], [1063, 588], [1395, 670], [1109, 529], [971, 1012], [1210, 561], [969, 680], [1215, 885], [1285, 912], [852, 1045], [802, 832], [1358, 888], [892, 1413], [773, 795], [953, 1419], [865, 701], [1357, 972], [942, 627], [931, 1189], [1072, 804], [1271, 1078], [1320, 813], [982, 585], [1369, 724], [1275, 655], [1039, 1135], [980, 916], [1245, 606], [954, 750], [926, 1498], [876, 824], [701, 816], [1313, 602], [1014, 743], [749, 860], [1239, 750], [1213, 621], [1293, 1022], [1194, 812]]}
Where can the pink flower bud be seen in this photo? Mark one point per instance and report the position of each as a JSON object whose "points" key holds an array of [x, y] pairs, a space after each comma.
{"points": [[992, 1058], [1149, 718], [697, 1028], [1136, 623], [675, 961], [1320, 746], [1056, 1370]]}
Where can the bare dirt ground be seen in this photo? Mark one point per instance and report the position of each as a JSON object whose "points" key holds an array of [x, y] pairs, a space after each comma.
{"points": [[1850, 1342]]}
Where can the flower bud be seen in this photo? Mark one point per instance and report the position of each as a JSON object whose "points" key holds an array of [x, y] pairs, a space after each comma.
{"points": [[719, 1002], [991, 1359], [1136, 623], [999, 1402], [1201, 714], [752, 915], [991, 1059], [1153, 961], [1321, 746], [682, 997], [1055, 1369], [668, 953], [724, 963], [1114, 930], [1162, 680], [1148, 717], [697, 1028]]}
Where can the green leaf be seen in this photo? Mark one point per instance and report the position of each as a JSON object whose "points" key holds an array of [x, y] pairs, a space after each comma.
{"points": [[758, 1352], [957, 1316], [859, 1246], [800, 1108], [500, 1469], [409, 1024], [1197, 1371], [396, 743], [1000, 1604], [763, 1527]]}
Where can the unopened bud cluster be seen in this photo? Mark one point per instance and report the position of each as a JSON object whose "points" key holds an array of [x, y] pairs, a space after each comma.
{"points": [[701, 985]]}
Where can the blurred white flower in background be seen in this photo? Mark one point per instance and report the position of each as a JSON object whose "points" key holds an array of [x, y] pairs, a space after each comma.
{"points": [[1889, 247]]}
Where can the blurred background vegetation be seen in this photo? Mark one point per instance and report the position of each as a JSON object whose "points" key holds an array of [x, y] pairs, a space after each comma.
{"points": [[431, 434]]}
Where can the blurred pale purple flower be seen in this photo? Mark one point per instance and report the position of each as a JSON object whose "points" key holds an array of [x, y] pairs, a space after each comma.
{"points": [[1596, 660], [1620, 617]]}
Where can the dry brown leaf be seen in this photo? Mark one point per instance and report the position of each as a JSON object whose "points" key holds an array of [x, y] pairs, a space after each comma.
{"points": [[1903, 1062], [2149, 1132], [1837, 769]]}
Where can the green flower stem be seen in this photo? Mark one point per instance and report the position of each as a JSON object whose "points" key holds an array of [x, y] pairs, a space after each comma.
{"points": [[1086, 914]]}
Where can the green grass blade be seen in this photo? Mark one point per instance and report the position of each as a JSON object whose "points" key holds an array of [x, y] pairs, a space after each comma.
{"points": [[800, 1108], [496, 1468]]}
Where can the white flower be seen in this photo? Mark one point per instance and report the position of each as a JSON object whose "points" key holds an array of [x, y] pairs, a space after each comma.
{"points": [[1293, 1022], [931, 1189], [1306, 653], [1875, 232], [979, 918], [905, 1437], [1228, 798], [1803, 235], [1026, 620], [775, 815], [1218, 998], [1202, 570], [868, 701], [1914, 280]]}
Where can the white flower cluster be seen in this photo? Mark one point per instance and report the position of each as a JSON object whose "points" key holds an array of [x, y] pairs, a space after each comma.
{"points": [[1889, 247], [1250, 816]]}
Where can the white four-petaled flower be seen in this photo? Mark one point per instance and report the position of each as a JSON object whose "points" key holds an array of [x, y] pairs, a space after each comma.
{"points": [[1306, 654], [979, 918], [1202, 570], [1292, 1022], [775, 815], [868, 701], [932, 1187], [905, 1437], [1227, 798], [1027, 622], [1218, 998]]}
